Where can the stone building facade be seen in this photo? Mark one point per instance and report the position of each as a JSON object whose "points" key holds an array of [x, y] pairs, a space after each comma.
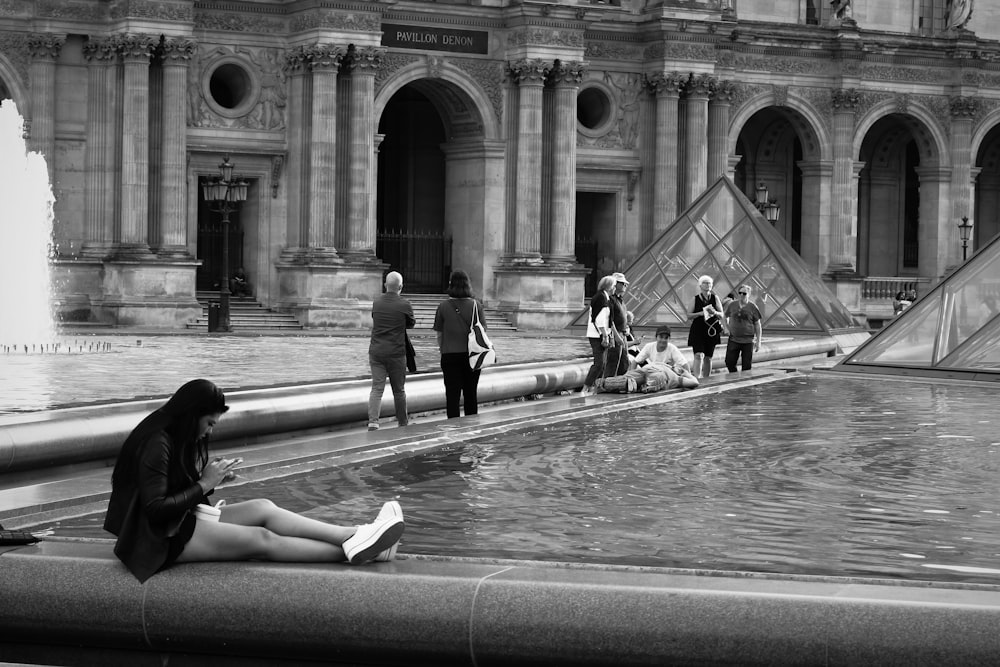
{"points": [[533, 144]]}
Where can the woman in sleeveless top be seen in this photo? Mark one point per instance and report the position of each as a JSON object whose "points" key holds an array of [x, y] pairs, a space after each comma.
{"points": [[705, 334]]}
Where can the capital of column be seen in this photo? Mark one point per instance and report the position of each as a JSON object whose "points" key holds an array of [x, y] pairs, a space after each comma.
{"points": [[366, 60], [845, 100], [45, 46], [963, 108], [178, 52], [324, 57], [103, 50], [136, 47], [723, 92], [567, 73], [296, 61], [528, 72], [699, 86], [665, 83]]}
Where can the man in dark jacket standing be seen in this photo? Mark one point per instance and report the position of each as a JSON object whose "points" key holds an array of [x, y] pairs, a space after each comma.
{"points": [[392, 315]]}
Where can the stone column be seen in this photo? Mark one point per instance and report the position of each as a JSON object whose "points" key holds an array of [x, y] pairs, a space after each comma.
{"points": [[697, 90], [843, 240], [136, 51], [963, 198], [530, 78], [816, 177], [562, 234], [718, 129], [363, 65], [667, 89], [173, 153], [940, 248], [324, 62], [44, 51], [297, 114], [99, 186]]}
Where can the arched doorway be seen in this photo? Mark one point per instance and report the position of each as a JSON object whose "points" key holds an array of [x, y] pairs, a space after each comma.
{"points": [[987, 211], [410, 209], [770, 151], [889, 200]]}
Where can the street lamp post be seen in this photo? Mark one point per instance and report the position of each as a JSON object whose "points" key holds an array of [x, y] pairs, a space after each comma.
{"points": [[965, 232], [769, 208], [225, 192]]}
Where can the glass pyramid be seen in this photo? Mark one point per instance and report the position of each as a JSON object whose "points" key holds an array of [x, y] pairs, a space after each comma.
{"points": [[954, 329], [724, 236]]}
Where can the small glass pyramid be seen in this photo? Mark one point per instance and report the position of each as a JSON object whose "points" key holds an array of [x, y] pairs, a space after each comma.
{"points": [[724, 236], [953, 329]]}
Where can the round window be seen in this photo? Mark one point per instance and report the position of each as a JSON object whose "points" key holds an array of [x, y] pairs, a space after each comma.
{"points": [[594, 110], [230, 88]]}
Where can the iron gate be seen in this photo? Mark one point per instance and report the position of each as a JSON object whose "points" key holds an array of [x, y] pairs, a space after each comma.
{"points": [[424, 258]]}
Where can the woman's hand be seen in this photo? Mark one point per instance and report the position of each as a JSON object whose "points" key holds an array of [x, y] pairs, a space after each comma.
{"points": [[218, 470]]}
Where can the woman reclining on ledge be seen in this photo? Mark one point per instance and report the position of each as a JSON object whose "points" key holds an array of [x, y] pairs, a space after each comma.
{"points": [[160, 488], [659, 365]]}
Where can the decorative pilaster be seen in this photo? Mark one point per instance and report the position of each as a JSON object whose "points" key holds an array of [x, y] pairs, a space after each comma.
{"points": [[136, 51], [324, 62], [99, 188], [296, 67], [843, 239], [566, 78], [697, 90], [718, 129], [667, 89], [530, 78], [44, 50], [172, 226], [363, 65], [963, 196]]}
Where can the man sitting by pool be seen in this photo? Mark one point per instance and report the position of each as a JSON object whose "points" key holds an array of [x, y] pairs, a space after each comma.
{"points": [[659, 365]]}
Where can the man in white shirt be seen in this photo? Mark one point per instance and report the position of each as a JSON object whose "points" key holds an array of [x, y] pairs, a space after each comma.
{"points": [[662, 351]]}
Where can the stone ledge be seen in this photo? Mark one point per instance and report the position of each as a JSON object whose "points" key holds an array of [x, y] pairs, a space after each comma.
{"points": [[442, 611]]}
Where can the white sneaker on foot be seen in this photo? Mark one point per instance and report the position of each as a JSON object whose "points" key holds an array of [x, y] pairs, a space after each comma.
{"points": [[372, 426], [390, 510], [371, 539]]}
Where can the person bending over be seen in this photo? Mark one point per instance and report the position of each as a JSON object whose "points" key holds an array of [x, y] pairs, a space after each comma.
{"points": [[164, 473]]}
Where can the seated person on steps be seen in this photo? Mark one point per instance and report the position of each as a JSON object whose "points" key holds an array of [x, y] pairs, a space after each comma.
{"points": [[239, 285]]}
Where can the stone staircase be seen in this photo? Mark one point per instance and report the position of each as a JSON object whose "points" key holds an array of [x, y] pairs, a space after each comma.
{"points": [[425, 305], [245, 313]]}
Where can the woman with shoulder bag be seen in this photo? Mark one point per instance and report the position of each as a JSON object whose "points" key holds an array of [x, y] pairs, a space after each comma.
{"points": [[452, 322], [600, 331]]}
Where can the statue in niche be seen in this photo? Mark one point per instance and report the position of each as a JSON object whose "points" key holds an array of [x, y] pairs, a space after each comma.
{"points": [[843, 11], [195, 110], [628, 87], [957, 13]]}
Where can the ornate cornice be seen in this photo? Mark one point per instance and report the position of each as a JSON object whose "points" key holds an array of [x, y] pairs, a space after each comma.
{"points": [[45, 46], [152, 9], [680, 51], [238, 22], [60, 9], [611, 51], [354, 21], [908, 74], [533, 36]]}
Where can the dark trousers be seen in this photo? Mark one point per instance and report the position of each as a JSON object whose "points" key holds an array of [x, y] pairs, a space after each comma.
{"points": [[616, 361], [597, 368], [459, 380], [734, 351]]}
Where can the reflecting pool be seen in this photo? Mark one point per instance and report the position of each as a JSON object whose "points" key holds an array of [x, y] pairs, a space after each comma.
{"points": [[809, 474]]}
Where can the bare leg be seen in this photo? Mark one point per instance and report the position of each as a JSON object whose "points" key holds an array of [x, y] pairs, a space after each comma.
{"points": [[264, 513], [698, 357], [706, 366], [217, 541]]}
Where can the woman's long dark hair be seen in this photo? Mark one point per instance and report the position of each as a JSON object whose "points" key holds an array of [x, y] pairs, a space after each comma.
{"points": [[459, 285], [179, 419]]}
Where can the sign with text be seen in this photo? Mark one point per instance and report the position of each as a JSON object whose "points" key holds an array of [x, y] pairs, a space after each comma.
{"points": [[435, 39]]}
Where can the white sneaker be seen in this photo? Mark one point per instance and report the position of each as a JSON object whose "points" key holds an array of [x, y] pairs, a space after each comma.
{"points": [[372, 426], [390, 510], [371, 539]]}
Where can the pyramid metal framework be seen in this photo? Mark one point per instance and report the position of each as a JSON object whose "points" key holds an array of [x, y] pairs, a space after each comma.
{"points": [[952, 331], [724, 236]]}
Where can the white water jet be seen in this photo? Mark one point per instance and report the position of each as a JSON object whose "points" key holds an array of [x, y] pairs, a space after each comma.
{"points": [[25, 237]]}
